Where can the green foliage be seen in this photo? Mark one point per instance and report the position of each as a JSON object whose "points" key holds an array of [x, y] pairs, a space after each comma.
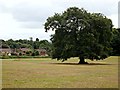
{"points": [[20, 54], [116, 42], [36, 53], [80, 34], [46, 45], [4, 57], [32, 45], [28, 53], [13, 57], [27, 43], [33, 54], [37, 39], [4, 46]]}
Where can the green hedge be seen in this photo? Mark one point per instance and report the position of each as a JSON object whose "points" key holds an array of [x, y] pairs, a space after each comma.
{"points": [[10, 57]]}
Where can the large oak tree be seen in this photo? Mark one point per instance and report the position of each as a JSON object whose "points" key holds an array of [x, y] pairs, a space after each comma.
{"points": [[79, 33]]}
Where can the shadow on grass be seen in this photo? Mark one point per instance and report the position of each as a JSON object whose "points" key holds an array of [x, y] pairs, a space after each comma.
{"points": [[82, 64]]}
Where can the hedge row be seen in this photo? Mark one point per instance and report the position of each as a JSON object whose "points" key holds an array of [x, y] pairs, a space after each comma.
{"points": [[10, 57]]}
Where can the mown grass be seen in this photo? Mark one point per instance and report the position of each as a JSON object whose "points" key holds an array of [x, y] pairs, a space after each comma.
{"points": [[47, 73]]}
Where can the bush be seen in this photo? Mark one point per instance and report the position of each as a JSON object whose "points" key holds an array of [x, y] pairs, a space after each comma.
{"points": [[28, 53], [20, 54], [36, 53], [33, 54], [5, 57], [12, 57], [14, 54]]}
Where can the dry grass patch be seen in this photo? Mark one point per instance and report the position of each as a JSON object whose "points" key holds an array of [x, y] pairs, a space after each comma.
{"points": [[47, 73]]}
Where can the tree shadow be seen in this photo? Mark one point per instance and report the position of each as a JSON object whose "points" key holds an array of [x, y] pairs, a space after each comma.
{"points": [[89, 64]]}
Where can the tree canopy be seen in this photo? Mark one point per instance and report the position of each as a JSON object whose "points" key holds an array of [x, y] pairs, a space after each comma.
{"points": [[79, 33]]}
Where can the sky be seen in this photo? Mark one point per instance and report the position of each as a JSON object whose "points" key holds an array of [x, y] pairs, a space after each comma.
{"points": [[22, 19]]}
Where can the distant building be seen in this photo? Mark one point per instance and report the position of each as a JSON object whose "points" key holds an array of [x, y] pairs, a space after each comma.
{"points": [[42, 52], [5, 51], [23, 51]]}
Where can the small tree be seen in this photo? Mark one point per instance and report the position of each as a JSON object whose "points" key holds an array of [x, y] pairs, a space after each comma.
{"points": [[80, 34], [37, 53]]}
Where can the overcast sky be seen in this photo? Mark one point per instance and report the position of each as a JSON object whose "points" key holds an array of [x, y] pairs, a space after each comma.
{"points": [[21, 19]]}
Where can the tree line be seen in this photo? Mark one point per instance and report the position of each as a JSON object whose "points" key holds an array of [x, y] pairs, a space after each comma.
{"points": [[32, 45], [45, 44]]}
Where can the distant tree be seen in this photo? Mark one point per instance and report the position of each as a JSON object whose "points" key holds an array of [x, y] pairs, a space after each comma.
{"points": [[14, 45], [1, 40], [37, 53], [32, 43], [36, 45], [116, 42], [31, 39], [37, 39], [44, 44], [80, 34], [4, 46], [10, 43]]}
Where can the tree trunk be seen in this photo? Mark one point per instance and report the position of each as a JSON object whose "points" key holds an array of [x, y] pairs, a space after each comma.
{"points": [[82, 60]]}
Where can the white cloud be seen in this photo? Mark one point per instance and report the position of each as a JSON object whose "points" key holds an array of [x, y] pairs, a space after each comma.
{"points": [[7, 23], [25, 18], [10, 28]]}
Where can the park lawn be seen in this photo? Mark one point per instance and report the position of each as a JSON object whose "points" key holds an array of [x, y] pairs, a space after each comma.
{"points": [[48, 73]]}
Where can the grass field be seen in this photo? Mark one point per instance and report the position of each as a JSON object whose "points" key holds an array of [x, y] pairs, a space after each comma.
{"points": [[47, 73]]}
